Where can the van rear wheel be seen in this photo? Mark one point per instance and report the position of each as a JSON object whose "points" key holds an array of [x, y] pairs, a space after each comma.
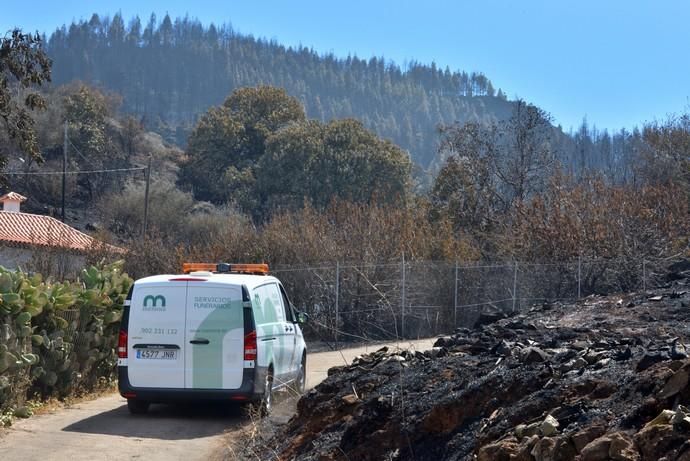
{"points": [[267, 399], [138, 407]]}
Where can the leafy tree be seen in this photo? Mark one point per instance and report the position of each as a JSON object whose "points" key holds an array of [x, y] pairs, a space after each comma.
{"points": [[259, 151], [228, 140], [24, 66], [86, 111], [262, 111], [319, 163], [99, 138], [98, 142]]}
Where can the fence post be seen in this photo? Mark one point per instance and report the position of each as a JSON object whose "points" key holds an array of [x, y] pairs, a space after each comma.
{"points": [[455, 298], [644, 274], [337, 302], [579, 275], [515, 285], [402, 306]]}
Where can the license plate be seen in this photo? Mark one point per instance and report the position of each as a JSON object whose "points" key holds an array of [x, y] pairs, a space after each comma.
{"points": [[157, 354]]}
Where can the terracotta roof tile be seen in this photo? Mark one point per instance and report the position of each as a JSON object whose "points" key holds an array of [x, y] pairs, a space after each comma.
{"points": [[39, 230], [13, 196]]}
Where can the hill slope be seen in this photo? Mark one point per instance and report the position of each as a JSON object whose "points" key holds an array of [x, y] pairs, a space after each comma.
{"points": [[606, 378], [169, 72]]}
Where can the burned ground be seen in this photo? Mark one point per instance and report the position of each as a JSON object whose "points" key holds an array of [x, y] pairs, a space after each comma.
{"points": [[604, 378]]}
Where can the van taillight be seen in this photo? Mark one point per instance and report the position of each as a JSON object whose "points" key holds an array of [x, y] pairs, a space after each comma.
{"points": [[250, 346], [122, 345]]}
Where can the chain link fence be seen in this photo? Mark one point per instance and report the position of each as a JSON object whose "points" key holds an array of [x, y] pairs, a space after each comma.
{"points": [[414, 299]]}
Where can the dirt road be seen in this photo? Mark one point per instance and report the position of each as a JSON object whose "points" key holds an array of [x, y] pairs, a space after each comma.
{"points": [[103, 429]]}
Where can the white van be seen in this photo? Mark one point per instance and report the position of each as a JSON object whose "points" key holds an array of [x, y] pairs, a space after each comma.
{"points": [[218, 332]]}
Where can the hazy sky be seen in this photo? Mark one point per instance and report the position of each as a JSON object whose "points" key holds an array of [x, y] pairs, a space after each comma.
{"points": [[618, 62]]}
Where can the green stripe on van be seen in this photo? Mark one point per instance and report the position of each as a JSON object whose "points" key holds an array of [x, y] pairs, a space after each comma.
{"points": [[207, 360]]}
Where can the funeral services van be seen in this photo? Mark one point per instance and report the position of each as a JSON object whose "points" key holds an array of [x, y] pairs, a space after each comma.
{"points": [[224, 332]]}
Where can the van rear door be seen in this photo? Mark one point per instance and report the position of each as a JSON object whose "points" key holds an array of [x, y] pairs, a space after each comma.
{"points": [[156, 334], [214, 348]]}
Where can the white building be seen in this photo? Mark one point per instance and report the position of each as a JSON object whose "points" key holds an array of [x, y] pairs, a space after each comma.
{"points": [[42, 243]]}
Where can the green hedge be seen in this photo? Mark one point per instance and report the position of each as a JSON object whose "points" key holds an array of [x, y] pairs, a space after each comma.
{"points": [[58, 339]]}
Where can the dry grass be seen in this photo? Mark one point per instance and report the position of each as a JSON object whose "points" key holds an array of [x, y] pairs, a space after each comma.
{"points": [[52, 404]]}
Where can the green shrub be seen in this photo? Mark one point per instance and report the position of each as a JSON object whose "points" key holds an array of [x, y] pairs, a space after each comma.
{"points": [[57, 339]]}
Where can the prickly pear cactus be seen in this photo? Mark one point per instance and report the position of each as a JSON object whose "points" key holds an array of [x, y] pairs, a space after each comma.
{"points": [[57, 338]]}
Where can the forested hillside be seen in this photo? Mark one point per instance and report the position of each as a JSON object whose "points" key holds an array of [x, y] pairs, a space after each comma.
{"points": [[171, 71]]}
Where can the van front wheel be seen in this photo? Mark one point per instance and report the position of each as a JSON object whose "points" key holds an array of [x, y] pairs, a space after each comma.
{"points": [[299, 385], [137, 407]]}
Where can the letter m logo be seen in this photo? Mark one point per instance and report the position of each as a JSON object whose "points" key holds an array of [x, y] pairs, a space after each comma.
{"points": [[153, 301]]}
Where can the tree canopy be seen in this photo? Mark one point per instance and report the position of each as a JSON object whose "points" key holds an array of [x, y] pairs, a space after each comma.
{"points": [[23, 67], [259, 151], [229, 140]]}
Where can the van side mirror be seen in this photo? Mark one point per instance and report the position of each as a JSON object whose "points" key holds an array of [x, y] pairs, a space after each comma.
{"points": [[302, 317]]}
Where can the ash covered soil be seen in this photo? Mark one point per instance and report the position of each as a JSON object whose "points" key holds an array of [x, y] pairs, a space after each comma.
{"points": [[604, 378]]}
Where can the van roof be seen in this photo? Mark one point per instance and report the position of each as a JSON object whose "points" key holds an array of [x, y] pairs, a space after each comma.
{"points": [[250, 281]]}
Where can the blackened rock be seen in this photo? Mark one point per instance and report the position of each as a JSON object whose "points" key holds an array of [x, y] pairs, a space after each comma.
{"points": [[603, 363], [516, 325], [623, 355], [575, 364], [650, 359], [647, 317], [486, 318], [444, 341], [580, 345], [602, 345], [564, 356], [678, 270], [678, 351], [565, 334], [478, 348], [335, 370], [503, 348], [533, 355], [437, 352], [593, 357], [680, 266]]}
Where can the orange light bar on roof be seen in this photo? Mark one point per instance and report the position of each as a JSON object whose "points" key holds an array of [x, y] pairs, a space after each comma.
{"points": [[259, 269], [197, 267]]}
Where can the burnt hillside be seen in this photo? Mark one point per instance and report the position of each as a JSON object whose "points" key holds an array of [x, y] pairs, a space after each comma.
{"points": [[606, 378]]}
